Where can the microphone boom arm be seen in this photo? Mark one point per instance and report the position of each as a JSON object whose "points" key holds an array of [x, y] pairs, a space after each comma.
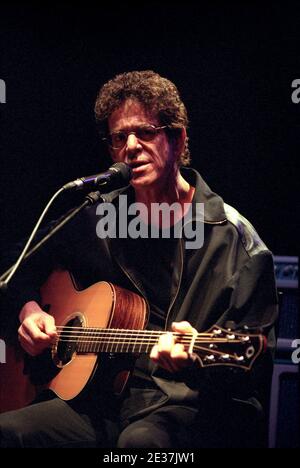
{"points": [[89, 200]]}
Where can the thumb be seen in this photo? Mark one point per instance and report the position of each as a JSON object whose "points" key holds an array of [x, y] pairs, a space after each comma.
{"points": [[49, 326]]}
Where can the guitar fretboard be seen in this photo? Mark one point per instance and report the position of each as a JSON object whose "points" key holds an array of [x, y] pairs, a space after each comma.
{"points": [[217, 345], [95, 340]]}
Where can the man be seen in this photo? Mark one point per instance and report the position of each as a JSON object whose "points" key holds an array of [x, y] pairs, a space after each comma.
{"points": [[170, 401]]}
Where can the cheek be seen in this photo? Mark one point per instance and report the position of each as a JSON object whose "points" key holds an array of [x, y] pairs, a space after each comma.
{"points": [[160, 155], [116, 157], [165, 158]]}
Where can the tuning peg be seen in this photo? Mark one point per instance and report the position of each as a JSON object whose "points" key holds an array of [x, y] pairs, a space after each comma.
{"points": [[245, 338], [239, 358], [225, 357], [230, 337], [210, 357]]}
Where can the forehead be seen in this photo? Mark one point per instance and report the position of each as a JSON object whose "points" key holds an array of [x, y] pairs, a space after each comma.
{"points": [[129, 114]]}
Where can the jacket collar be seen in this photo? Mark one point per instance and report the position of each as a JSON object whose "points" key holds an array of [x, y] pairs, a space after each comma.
{"points": [[214, 212]]}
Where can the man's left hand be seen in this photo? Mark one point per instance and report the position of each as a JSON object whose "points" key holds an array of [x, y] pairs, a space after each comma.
{"points": [[171, 355]]}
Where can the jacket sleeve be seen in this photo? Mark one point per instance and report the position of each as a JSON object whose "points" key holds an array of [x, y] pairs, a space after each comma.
{"points": [[252, 303]]}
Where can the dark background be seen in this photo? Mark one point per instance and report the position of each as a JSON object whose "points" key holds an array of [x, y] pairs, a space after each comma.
{"points": [[233, 64]]}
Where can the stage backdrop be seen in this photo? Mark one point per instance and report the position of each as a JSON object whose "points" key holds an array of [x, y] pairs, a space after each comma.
{"points": [[237, 68]]}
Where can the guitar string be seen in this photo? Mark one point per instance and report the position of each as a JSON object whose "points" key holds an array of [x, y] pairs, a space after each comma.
{"points": [[127, 334], [141, 341], [110, 331], [134, 342], [100, 329], [136, 336], [212, 351], [136, 339]]}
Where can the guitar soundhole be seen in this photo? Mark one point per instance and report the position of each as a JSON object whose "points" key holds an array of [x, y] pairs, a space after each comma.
{"points": [[66, 346]]}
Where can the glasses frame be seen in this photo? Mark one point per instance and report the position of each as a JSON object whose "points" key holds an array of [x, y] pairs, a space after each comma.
{"points": [[157, 128]]}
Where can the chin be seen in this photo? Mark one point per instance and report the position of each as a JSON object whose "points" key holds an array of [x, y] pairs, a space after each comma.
{"points": [[142, 181]]}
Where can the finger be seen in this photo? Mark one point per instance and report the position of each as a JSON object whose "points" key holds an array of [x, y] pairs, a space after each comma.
{"points": [[171, 361], [159, 358], [179, 357], [166, 342], [183, 327], [154, 353], [49, 326], [35, 330], [178, 353]]}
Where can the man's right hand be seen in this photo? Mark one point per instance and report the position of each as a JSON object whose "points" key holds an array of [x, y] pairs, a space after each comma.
{"points": [[37, 330]]}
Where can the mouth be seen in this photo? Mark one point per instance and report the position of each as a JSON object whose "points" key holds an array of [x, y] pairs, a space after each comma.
{"points": [[138, 166]]}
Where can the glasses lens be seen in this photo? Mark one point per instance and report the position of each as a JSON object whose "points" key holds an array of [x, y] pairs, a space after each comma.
{"points": [[118, 139], [146, 133]]}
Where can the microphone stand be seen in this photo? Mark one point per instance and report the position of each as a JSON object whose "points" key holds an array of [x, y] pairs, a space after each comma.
{"points": [[90, 199]]}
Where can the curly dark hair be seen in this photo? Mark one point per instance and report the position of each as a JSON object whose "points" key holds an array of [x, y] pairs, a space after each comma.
{"points": [[157, 94]]}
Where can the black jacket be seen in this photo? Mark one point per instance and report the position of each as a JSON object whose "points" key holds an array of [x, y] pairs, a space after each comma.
{"points": [[229, 280]]}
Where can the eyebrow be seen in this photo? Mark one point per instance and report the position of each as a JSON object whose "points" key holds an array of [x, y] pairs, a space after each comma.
{"points": [[133, 127]]}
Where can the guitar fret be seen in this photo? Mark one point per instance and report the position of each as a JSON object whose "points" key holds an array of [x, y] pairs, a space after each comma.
{"points": [[128, 343], [122, 347], [85, 339], [89, 335], [134, 343], [149, 342], [112, 343], [105, 346], [95, 344]]}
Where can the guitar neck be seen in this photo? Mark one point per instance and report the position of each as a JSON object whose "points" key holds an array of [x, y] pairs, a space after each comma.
{"points": [[215, 347], [107, 340]]}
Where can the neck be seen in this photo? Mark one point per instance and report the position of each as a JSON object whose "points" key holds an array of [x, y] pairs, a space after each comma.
{"points": [[174, 189]]}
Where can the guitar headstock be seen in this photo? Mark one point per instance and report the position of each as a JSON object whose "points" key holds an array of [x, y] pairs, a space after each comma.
{"points": [[219, 346]]}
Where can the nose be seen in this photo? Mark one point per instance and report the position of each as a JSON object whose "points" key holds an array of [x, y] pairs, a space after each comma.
{"points": [[133, 145]]}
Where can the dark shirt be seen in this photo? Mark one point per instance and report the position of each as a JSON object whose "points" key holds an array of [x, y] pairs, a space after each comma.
{"points": [[152, 259]]}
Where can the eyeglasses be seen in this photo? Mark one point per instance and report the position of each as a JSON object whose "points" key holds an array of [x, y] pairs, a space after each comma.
{"points": [[117, 140]]}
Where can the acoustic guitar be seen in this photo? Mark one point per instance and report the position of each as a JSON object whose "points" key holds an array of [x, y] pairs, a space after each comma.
{"points": [[95, 326]]}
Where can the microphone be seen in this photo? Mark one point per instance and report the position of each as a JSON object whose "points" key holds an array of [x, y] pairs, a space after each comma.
{"points": [[117, 176]]}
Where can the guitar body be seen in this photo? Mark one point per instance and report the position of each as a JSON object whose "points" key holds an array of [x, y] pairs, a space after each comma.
{"points": [[66, 371], [100, 329]]}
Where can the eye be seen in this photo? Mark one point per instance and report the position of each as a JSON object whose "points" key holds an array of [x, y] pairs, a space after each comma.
{"points": [[117, 138], [146, 133]]}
